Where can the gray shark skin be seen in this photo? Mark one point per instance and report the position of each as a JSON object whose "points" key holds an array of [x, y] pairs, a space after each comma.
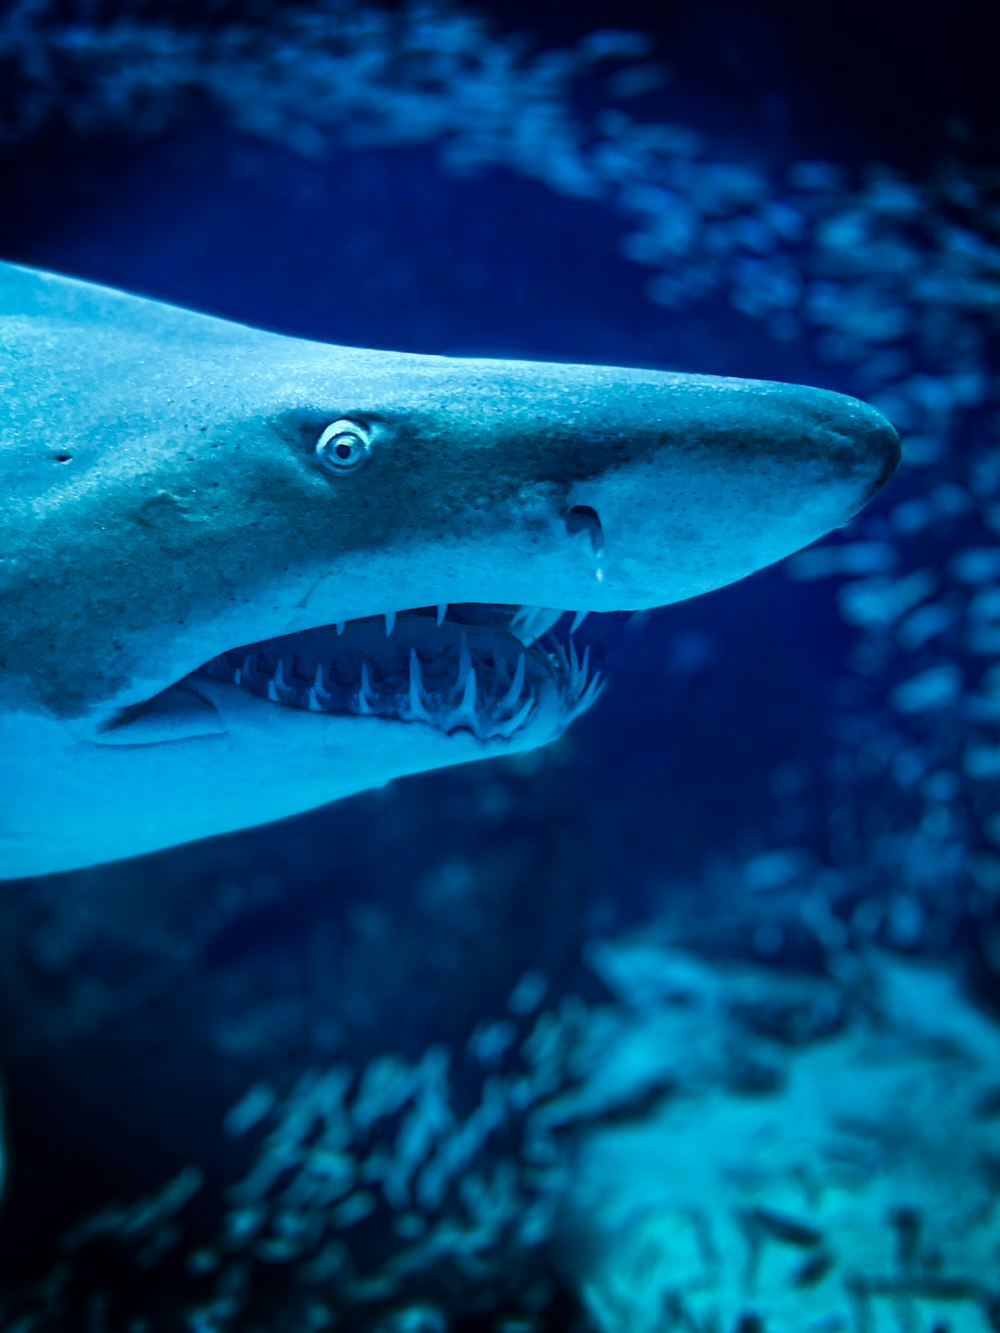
{"points": [[243, 575]]}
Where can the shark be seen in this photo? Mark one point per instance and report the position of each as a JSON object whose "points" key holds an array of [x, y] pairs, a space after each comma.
{"points": [[244, 574]]}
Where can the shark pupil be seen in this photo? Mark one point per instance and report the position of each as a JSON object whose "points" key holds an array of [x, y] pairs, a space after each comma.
{"points": [[343, 445]]}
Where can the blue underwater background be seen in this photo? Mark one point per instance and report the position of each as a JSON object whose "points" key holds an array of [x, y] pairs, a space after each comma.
{"points": [[690, 1021]]}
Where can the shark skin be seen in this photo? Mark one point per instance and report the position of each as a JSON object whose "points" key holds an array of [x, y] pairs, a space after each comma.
{"points": [[244, 574]]}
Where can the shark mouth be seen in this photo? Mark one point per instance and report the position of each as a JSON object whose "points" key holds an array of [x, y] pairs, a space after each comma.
{"points": [[485, 669]]}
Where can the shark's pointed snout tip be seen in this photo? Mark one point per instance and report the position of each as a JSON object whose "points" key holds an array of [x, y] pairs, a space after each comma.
{"points": [[865, 451], [882, 450]]}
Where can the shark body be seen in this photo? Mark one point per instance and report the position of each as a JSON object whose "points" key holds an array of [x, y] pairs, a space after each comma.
{"points": [[243, 574]]}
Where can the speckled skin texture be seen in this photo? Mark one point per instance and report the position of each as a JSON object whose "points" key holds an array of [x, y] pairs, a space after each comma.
{"points": [[162, 503]]}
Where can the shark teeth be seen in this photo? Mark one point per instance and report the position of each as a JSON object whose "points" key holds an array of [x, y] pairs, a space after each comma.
{"points": [[319, 699], [531, 622], [417, 698], [367, 698], [279, 689], [464, 660], [520, 717], [467, 706], [489, 672], [516, 685], [467, 703]]}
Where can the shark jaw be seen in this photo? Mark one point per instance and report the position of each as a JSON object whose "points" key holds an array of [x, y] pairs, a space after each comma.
{"points": [[501, 675]]}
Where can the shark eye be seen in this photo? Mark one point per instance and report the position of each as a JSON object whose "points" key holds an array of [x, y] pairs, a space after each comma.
{"points": [[344, 445]]}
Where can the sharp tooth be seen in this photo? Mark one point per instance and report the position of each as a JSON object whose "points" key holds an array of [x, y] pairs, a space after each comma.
{"points": [[464, 659], [589, 696], [442, 612], [585, 665], [237, 675], [390, 622], [339, 624], [560, 652], [247, 665], [366, 694], [319, 695], [531, 622], [467, 706], [578, 668], [516, 686], [418, 707], [578, 620], [519, 718], [277, 689]]}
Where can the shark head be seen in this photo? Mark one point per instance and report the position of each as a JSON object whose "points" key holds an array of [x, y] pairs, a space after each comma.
{"points": [[246, 574]]}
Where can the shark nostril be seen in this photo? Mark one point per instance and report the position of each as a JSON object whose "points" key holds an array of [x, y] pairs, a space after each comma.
{"points": [[582, 518]]}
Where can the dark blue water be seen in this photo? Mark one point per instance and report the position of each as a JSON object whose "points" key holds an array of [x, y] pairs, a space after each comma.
{"points": [[692, 1015]]}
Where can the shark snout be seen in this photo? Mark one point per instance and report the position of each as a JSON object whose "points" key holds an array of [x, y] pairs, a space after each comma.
{"points": [[863, 450], [708, 480], [881, 452]]}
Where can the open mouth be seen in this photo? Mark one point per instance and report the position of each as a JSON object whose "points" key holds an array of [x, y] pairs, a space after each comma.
{"points": [[489, 670]]}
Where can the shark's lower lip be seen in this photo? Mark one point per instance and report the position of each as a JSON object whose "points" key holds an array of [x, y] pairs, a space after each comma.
{"points": [[486, 670]]}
